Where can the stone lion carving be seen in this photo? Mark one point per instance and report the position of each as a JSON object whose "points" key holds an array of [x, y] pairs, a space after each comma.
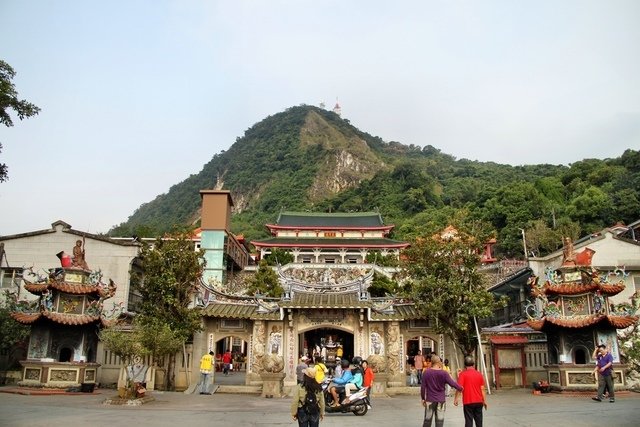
{"points": [[273, 363], [377, 362]]}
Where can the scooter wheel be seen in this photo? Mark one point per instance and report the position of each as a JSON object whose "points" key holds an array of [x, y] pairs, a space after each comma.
{"points": [[360, 410]]}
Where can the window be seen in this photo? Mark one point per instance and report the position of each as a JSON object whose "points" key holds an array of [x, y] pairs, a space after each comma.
{"points": [[10, 277], [330, 260], [329, 234], [231, 324], [306, 260], [352, 260]]}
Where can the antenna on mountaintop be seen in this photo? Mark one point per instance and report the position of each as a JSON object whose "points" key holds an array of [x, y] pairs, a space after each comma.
{"points": [[337, 108]]}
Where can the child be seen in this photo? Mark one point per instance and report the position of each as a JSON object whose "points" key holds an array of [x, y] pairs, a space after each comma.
{"points": [[413, 377]]}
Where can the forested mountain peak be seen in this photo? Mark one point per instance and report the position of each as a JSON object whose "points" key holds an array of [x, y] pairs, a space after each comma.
{"points": [[309, 159]]}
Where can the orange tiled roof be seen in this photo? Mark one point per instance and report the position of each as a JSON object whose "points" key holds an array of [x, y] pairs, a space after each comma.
{"points": [[70, 319], [25, 318], [75, 288], [617, 321], [570, 288], [612, 288], [621, 322], [35, 288]]}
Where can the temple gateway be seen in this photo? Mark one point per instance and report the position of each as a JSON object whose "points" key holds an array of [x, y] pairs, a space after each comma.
{"points": [[326, 307]]}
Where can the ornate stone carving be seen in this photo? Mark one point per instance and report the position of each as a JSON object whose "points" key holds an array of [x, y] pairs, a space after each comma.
{"points": [[259, 346], [273, 363], [393, 348], [378, 363]]}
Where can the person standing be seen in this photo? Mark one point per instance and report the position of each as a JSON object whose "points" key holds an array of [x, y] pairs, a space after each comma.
{"points": [[321, 369], [432, 392], [418, 362], [206, 367], [368, 375], [307, 406], [474, 394], [226, 362], [605, 373], [302, 365], [447, 388]]}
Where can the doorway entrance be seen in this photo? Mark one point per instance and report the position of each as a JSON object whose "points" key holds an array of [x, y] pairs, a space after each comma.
{"points": [[326, 342], [238, 348]]}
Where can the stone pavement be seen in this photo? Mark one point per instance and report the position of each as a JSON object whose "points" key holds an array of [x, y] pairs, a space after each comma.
{"points": [[506, 408]]}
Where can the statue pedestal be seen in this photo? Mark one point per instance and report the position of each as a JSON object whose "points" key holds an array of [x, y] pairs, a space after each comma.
{"points": [[380, 384], [272, 384]]}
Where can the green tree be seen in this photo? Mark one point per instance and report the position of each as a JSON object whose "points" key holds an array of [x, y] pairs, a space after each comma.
{"points": [[9, 101], [171, 271], [445, 285], [279, 257], [265, 282], [12, 333], [382, 286]]}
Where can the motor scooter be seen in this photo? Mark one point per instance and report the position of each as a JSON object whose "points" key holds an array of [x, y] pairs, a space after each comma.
{"points": [[358, 402]]}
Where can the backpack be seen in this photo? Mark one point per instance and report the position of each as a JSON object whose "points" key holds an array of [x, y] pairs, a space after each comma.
{"points": [[311, 405]]}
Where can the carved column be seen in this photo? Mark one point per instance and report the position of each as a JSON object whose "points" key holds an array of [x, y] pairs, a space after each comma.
{"points": [[396, 377], [258, 351]]}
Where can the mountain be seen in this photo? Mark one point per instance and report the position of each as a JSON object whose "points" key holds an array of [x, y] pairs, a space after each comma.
{"points": [[307, 158]]}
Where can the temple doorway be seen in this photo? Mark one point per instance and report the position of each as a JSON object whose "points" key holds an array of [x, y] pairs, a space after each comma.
{"points": [[327, 342], [422, 343], [238, 348], [66, 355]]}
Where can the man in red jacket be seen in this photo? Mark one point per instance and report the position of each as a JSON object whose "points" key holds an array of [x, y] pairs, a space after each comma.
{"points": [[226, 362], [474, 395]]}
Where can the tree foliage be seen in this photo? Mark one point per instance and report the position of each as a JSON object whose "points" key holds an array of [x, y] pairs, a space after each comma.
{"points": [[382, 286], [445, 285], [265, 282], [171, 270], [12, 333], [9, 101], [278, 257]]}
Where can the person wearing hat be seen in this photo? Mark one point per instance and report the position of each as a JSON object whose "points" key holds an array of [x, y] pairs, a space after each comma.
{"points": [[302, 365], [604, 367], [304, 408]]}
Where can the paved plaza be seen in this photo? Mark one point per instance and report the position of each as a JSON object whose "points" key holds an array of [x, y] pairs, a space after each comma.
{"points": [[506, 408]]}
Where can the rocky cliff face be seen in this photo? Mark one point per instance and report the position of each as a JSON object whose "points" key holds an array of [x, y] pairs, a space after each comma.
{"points": [[347, 161]]}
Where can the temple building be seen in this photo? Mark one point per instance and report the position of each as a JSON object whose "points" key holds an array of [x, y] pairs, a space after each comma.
{"points": [[573, 307], [65, 319], [339, 238]]}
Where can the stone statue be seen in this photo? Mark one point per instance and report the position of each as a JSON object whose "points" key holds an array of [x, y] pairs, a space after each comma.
{"points": [[78, 256], [568, 255]]}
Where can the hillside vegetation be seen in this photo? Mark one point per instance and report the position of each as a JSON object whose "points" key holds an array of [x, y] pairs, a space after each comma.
{"points": [[307, 158]]}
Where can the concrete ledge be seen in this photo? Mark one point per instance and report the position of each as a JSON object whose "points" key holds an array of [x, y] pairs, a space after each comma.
{"points": [[239, 389]]}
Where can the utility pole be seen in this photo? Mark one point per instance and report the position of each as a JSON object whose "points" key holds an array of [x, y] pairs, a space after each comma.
{"points": [[524, 243]]}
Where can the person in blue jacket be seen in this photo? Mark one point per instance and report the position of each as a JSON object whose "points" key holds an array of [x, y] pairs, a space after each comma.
{"points": [[355, 383], [339, 383]]}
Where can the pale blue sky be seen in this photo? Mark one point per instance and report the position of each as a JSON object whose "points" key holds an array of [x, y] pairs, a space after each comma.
{"points": [[138, 95]]}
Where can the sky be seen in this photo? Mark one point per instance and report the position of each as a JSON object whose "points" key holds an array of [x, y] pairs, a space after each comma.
{"points": [[136, 95]]}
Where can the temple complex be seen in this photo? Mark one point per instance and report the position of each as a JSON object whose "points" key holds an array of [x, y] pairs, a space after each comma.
{"points": [[326, 308]]}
